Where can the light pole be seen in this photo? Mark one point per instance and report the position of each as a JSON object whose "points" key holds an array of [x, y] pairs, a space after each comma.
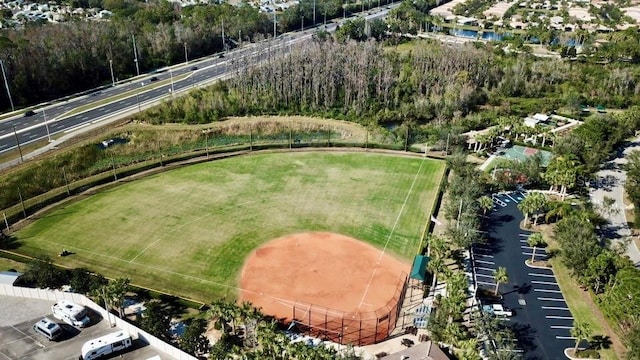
{"points": [[314, 12], [6, 84], [223, 44], [186, 58], [172, 89], [135, 54], [113, 78], [302, 23], [138, 97], [15, 133], [46, 124]]}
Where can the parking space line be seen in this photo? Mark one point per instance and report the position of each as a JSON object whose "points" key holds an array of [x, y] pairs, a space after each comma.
{"points": [[565, 337], [554, 308], [482, 275], [543, 275], [548, 291], [559, 317], [544, 283], [485, 262], [486, 269], [29, 336], [561, 327], [550, 299], [524, 235], [485, 283], [483, 255], [537, 254], [509, 196], [523, 240]]}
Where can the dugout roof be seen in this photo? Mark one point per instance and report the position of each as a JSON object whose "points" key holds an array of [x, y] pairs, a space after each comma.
{"points": [[419, 267]]}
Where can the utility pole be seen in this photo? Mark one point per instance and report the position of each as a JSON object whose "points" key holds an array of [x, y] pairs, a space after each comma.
{"points": [[6, 84], [135, 54], [46, 125], [15, 133], [314, 12], [344, 10], [186, 58], [113, 78], [302, 23], [172, 88], [224, 46]]}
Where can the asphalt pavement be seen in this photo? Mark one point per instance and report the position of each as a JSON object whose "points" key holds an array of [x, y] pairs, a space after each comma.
{"points": [[542, 321], [609, 182]]}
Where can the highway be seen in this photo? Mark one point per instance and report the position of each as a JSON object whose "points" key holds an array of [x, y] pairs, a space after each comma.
{"points": [[66, 116]]}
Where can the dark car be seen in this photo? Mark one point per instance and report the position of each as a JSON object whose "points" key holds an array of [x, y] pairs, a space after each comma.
{"points": [[29, 113], [154, 78], [194, 68]]}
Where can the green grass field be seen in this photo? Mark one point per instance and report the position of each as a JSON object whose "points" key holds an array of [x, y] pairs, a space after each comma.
{"points": [[187, 231]]}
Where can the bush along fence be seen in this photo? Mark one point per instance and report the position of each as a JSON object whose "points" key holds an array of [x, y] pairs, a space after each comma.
{"points": [[95, 166]]}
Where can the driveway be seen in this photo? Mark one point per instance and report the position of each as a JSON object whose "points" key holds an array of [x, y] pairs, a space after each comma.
{"points": [[610, 182], [542, 320]]}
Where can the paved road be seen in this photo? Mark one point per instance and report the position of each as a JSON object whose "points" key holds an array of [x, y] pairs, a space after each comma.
{"points": [[141, 92], [542, 320], [610, 182]]}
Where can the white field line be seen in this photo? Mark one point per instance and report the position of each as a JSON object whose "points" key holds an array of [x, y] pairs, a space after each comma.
{"points": [[393, 229]]}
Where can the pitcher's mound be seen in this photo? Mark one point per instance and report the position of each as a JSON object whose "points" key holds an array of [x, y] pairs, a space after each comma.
{"points": [[323, 269]]}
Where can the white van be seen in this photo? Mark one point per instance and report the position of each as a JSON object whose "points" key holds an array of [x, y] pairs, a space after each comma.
{"points": [[71, 313], [48, 329]]}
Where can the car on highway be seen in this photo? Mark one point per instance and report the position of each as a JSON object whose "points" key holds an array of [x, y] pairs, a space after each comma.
{"points": [[194, 68], [29, 113], [498, 310], [154, 78]]}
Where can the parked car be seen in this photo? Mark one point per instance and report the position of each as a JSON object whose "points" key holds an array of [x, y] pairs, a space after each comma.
{"points": [[47, 328], [498, 310]]}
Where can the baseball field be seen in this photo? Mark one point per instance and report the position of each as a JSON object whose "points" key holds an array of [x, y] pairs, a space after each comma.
{"points": [[188, 231]]}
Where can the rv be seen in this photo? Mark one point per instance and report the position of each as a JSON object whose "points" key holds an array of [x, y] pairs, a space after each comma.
{"points": [[72, 314], [103, 346], [48, 329]]}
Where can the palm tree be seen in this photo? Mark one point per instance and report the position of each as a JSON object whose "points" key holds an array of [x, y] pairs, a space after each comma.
{"points": [[580, 331], [558, 210], [563, 171], [534, 241], [533, 204], [501, 276], [486, 204], [116, 291]]}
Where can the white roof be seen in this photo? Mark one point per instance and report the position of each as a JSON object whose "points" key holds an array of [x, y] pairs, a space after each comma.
{"points": [[541, 117], [104, 340], [9, 277]]}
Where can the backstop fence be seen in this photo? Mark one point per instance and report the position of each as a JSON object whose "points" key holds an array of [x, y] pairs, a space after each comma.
{"points": [[360, 328]]}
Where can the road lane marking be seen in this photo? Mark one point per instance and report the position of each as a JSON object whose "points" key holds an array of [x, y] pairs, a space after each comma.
{"points": [[548, 291]]}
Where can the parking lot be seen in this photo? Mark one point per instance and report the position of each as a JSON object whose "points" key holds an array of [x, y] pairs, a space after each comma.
{"points": [[19, 341], [542, 321]]}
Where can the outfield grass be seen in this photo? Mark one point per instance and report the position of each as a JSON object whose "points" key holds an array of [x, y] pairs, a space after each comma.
{"points": [[188, 231]]}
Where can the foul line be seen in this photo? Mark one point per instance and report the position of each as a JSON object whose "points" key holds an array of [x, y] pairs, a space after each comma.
{"points": [[393, 229]]}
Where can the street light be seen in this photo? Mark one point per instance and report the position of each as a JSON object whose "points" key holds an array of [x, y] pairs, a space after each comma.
{"points": [[171, 75], [46, 124], [135, 54], [186, 58], [113, 78], [302, 23], [6, 84], [138, 96]]}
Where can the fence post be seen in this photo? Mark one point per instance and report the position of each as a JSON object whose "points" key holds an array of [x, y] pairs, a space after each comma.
{"points": [[24, 211], [66, 182]]}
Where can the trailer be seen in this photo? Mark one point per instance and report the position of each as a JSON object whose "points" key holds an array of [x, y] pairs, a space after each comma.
{"points": [[105, 345], [71, 313]]}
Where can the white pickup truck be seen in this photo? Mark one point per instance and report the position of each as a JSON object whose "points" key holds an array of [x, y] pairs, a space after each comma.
{"points": [[498, 310]]}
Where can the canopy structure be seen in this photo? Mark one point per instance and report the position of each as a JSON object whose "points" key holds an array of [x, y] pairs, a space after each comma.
{"points": [[419, 267]]}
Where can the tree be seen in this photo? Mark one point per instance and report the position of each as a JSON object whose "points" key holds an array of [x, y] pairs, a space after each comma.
{"points": [[501, 276], [486, 204], [558, 210], [82, 281], [580, 331], [156, 320], [194, 341], [43, 274], [534, 241], [578, 242], [563, 171], [532, 205], [600, 270]]}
